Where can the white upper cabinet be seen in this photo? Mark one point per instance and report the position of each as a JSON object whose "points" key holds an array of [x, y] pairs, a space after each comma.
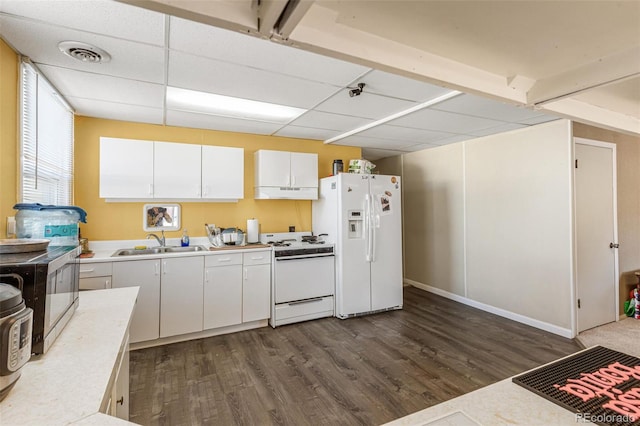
{"points": [[126, 168], [304, 170], [221, 168], [177, 171], [286, 175], [142, 170]]}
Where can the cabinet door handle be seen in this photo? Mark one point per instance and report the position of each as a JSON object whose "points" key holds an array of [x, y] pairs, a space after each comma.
{"points": [[121, 400], [198, 190], [206, 275], [293, 180], [86, 271], [245, 274], [224, 259], [205, 190], [150, 189], [164, 267], [257, 258], [155, 268]]}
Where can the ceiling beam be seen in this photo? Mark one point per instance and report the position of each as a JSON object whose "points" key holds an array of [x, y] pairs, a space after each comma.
{"points": [[321, 32], [269, 12], [293, 14], [611, 69], [594, 115], [236, 15]]}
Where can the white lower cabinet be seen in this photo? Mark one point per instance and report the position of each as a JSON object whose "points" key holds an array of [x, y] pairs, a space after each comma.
{"points": [[237, 288], [256, 286], [119, 406], [222, 290], [146, 275], [181, 304], [182, 295], [95, 276]]}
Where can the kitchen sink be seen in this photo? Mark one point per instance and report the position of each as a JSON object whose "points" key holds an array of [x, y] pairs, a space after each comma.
{"points": [[157, 250]]}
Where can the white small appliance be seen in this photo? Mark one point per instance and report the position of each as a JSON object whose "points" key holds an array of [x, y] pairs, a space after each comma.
{"points": [[362, 215], [16, 322]]}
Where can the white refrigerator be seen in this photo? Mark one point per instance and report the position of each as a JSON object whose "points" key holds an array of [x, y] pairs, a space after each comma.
{"points": [[361, 213]]}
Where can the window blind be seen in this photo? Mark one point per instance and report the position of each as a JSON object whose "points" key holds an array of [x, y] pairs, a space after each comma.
{"points": [[46, 154]]}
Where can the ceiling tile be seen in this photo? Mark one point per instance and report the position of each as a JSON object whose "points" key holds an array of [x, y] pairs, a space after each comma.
{"points": [[197, 73], [40, 42], [441, 121], [365, 141], [213, 122], [373, 154], [115, 111], [79, 84], [326, 120], [217, 43], [486, 108], [306, 133], [366, 105], [498, 129], [539, 119], [405, 133], [454, 139], [395, 86], [419, 147], [105, 17]]}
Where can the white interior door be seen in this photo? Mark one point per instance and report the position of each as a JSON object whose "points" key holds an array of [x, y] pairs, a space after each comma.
{"points": [[596, 232]]}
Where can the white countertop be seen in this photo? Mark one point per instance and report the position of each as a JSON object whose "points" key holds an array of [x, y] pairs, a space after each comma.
{"points": [[71, 381], [104, 249]]}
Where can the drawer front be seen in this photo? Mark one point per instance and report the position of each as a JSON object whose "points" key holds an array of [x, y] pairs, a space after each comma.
{"points": [[303, 310], [257, 258], [223, 259], [95, 283], [101, 269]]}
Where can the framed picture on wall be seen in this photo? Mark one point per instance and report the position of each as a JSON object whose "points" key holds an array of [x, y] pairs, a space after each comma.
{"points": [[161, 217]]}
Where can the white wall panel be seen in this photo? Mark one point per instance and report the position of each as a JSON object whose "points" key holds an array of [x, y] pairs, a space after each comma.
{"points": [[518, 222], [434, 217]]}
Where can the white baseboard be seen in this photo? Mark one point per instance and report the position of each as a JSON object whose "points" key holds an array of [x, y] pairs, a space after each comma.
{"points": [[198, 335], [564, 332]]}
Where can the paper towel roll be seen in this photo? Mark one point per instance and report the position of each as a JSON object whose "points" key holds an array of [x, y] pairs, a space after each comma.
{"points": [[252, 231]]}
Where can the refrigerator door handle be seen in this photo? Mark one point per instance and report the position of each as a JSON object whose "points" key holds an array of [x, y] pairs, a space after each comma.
{"points": [[374, 235], [367, 226]]}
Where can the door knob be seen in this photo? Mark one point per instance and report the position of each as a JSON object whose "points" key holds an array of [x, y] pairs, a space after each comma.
{"points": [[611, 245]]}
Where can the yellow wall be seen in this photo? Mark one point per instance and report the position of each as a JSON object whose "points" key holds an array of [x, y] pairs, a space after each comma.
{"points": [[8, 133], [109, 221]]}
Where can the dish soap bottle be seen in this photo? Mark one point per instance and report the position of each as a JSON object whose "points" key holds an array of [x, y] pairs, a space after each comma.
{"points": [[184, 242]]}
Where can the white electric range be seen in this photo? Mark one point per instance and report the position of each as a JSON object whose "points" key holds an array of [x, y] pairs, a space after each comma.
{"points": [[303, 277]]}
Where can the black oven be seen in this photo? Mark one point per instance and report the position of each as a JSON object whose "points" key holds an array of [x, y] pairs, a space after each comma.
{"points": [[49, 281]]}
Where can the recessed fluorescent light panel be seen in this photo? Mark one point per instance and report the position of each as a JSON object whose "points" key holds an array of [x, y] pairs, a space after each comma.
{"points": [[227, 106], [397, 115]]}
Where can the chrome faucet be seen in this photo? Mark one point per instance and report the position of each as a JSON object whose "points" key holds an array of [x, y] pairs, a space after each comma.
{"points": [[161, 241]]}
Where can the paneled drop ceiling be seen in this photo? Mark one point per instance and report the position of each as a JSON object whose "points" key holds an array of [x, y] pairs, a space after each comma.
{"points": [[151, 50]]}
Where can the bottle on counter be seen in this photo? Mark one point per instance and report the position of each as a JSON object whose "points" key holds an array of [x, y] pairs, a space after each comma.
{"points": [[184, 241]]}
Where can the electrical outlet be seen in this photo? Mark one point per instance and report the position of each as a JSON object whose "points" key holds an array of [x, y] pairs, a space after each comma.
{"points": [[292, 229], [11, 226]]}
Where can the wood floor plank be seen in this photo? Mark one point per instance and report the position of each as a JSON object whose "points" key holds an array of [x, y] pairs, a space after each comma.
{"points": [[361, 371]]}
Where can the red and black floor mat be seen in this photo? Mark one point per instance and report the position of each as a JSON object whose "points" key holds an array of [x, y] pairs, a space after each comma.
{"points": [[600, 385]]}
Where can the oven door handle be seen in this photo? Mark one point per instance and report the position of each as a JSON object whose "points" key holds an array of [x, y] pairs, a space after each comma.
{"points": [[313, 256]]}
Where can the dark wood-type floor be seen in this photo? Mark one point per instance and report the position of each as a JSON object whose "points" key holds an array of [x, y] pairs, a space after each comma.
{"points": [[366, 370]]}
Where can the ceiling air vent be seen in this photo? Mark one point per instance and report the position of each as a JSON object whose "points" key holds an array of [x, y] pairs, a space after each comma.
{"points": [[84, 52]]}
